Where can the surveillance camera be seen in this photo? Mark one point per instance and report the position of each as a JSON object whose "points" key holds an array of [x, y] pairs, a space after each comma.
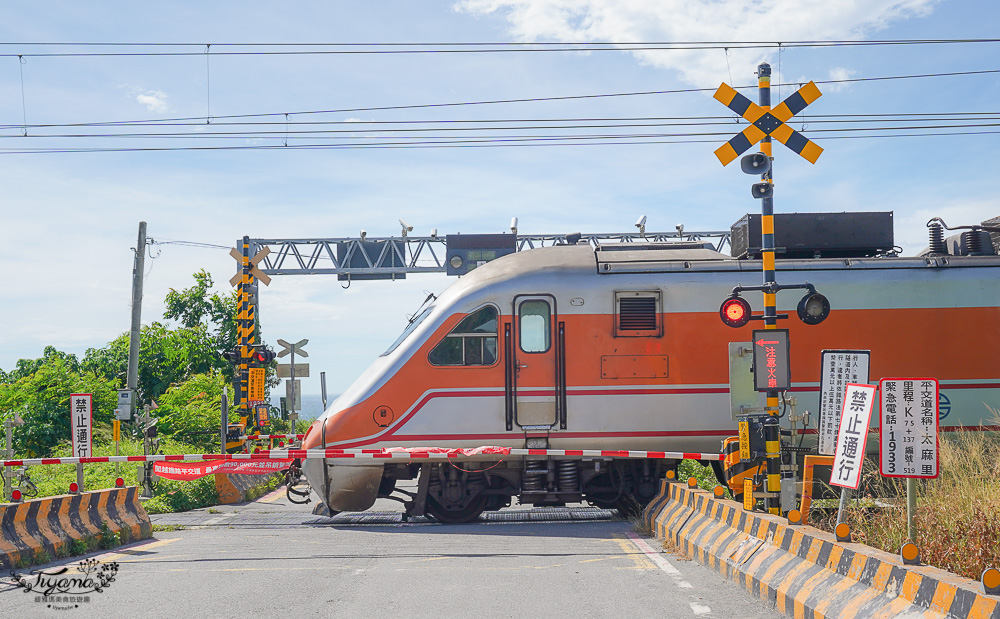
{"points": [[680, 229], [405, 225], [364, 233], [641, 223], [434, 233], [513, 225]]}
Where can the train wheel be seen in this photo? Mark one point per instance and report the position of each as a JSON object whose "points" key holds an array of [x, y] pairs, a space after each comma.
{"points": [[454, 514]]}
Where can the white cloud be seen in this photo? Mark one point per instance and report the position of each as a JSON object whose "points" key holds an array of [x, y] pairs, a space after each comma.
{"points": [[839, 73], [154, 100], [698, 20]]}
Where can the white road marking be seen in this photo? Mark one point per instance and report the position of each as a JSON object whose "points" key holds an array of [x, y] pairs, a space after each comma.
{"points": [[660, 561], [675, 574]]}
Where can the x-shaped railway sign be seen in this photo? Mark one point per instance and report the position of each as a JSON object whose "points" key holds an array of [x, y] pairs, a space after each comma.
{"points": [[297, 348], [261, 275], [764, 123]]}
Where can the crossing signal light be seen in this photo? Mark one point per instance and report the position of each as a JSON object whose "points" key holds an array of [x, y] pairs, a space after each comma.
{"points": [[735, 312], [263, 355], [813, 308], [232, 356]]}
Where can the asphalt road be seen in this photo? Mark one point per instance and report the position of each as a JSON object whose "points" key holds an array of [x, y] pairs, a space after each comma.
{"points": [[271, 558]]}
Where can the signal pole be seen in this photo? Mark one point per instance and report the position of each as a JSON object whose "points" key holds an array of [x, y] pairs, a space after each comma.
{"points": [[814, 307], [772, 439]]}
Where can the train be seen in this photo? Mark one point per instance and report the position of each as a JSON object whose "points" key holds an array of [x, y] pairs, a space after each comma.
{"points": [[621, 346]]}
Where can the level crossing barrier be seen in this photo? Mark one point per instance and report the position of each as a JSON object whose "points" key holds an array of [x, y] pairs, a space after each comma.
{"points": [[391, 453]]}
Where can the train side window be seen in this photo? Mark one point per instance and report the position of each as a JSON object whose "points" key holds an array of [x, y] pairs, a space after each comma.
{"points": [[638, 313], [472, 342], [533, 325]]}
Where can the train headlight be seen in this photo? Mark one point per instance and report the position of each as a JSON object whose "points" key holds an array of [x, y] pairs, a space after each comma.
{"points": [[813, 308], [735, 312]]}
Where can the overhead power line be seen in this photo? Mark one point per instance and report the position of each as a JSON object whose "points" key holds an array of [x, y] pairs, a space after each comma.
{"points": [[207, 120], [287, 49]]}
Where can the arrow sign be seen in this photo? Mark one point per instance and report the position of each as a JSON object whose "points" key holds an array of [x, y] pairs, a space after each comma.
{"points": [[297, 347], [261, 275], [764, 123]]}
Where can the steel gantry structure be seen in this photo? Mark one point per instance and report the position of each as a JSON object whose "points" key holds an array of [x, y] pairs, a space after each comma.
{"points": [[366, 257]]}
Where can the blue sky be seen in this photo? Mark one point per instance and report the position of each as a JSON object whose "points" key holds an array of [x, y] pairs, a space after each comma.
{"points": [[71, 218]]}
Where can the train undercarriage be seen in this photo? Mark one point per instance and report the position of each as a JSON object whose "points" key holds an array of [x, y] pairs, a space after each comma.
{"points": [[456, 492]]}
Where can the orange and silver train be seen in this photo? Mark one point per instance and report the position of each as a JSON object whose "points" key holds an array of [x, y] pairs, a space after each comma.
{"points": [[622, 347]]}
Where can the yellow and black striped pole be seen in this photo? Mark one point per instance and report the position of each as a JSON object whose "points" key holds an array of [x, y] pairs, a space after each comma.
{"points": [[245, 331], [772, 439]]}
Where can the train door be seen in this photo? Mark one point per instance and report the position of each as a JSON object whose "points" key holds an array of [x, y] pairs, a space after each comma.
{"points": [[534, 361]]}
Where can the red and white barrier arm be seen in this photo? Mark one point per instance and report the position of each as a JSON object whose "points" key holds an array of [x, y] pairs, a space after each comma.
{"points": [[266, 437], [393, 453]]}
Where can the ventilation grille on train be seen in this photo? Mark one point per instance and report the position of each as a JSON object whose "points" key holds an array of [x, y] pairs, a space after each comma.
{"points": [[637, 314]]}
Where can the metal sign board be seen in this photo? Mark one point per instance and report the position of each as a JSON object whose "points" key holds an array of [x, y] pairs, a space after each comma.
{"points": [[81, 416], [908, 428], [262, 417], [742, 395], [255, 385], [853, 435], [838, 367], [297, 402], [771, 367], [301, 370], [468, 251]]}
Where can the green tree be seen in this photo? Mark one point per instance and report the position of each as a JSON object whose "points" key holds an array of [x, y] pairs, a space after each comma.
{"points": [[195, 306], [42, 399], [166, 356], [190, 411]]}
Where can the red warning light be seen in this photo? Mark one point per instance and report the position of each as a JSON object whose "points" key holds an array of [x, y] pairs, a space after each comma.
{"points": [[73, 488], [119, 483], [15, 496], [735, 312]]}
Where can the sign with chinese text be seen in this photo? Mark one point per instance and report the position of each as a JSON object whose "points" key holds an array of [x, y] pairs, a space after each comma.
{"points": [[262, 418], [771, 369], [81, 415], [853, 435], [839, 367], [908, 428], [255, 385]]}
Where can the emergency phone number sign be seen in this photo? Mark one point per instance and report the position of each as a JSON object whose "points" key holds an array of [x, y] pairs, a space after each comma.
{"points": [[908, 428], [771, 368]]}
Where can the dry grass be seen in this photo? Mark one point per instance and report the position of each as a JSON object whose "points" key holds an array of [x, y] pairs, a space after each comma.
{"points": [[958, 514], [672, 548]]}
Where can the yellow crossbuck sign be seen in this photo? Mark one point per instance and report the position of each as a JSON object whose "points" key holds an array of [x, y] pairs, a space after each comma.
{"points": [[765, 123], [263, 277]]}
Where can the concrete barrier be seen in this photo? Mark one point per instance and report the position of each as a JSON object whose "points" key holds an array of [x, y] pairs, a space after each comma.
{"points": [[805, 572], [233, 487], [48, 526]]}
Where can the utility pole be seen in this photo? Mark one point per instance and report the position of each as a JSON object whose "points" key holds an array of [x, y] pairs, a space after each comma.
{"points": [[132, 380]]}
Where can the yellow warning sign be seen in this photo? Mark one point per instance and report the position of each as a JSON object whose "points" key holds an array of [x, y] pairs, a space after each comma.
{"points": [[748, 500], [255, 385], [745, 441], [116, 431]]}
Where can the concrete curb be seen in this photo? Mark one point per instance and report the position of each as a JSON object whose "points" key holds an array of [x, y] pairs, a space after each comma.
{"points": [[51, 524], [805, 572], [233, 487]]}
